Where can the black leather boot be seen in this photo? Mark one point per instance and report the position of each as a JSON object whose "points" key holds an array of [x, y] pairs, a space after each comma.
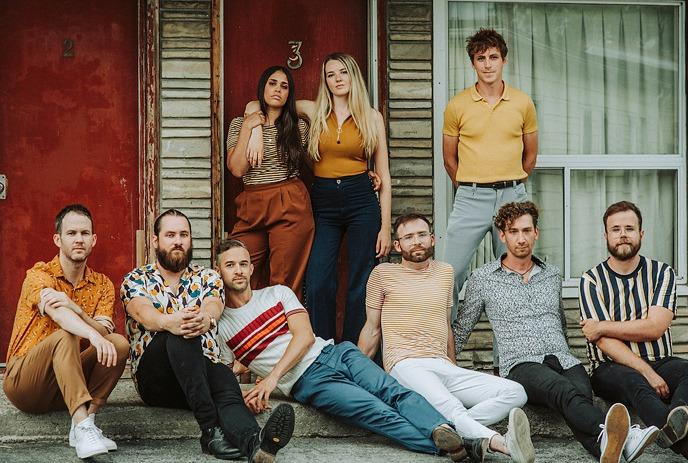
{"points": [[213, 442]]}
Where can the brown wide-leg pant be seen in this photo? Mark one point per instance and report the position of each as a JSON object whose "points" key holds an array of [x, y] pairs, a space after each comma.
{"points": [[275, 222], [55, 374]]}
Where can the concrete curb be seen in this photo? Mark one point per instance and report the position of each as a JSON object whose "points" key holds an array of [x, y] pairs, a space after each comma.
{"points": [[126, 417]]}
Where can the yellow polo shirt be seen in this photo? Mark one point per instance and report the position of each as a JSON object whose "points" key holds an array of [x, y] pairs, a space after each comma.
{"points": [[490, 138]]}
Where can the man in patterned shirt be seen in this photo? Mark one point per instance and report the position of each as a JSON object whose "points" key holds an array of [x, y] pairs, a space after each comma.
{"points": [[418, 347], [521, 296], [172, 307], [62, 302], [269, 332], [627, 304]]}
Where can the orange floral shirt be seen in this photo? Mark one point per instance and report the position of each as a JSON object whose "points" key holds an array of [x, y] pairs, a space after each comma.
{"points": [[95, 294]]}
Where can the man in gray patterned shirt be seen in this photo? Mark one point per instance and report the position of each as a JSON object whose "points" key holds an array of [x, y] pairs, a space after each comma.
{"points": [[521, 296]]}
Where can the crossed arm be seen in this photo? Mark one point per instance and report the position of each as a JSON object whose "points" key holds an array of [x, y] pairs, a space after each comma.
{"points": [[609, 335], [72, 318], [188, 322]]}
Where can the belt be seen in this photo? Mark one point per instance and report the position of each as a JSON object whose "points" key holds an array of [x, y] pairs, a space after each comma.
{"points": [[493, 185]]}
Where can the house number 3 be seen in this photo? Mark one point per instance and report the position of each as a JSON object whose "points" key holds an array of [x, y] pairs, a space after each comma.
{"points": [[295, 60]]}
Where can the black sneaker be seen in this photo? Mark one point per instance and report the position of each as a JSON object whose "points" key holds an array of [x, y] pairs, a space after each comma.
{"points": [[476, 448], [213, 442], [676, 427], [275, 434]]}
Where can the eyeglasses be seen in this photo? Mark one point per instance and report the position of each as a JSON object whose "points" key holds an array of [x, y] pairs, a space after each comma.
{"points": [[410, 238]]}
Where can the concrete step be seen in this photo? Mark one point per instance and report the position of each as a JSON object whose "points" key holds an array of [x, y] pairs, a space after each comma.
{"points": [[371, 449], [126, 417]]}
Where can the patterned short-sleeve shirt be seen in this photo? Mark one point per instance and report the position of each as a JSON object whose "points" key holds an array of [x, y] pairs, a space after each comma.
{"points": [[195, 285], [95, 294]]}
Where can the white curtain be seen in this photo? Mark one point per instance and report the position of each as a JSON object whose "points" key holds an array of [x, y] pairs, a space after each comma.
{"points": [[604, 81]]}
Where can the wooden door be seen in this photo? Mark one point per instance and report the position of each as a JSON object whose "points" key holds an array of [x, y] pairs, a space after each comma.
{"points": [[260, 34], [68, 134]]}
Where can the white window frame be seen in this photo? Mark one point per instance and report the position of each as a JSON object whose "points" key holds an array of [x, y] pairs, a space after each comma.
{"points": [[443, 192]]}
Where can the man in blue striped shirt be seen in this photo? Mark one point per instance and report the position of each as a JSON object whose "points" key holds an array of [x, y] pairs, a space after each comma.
{"points": [[627, 305]]}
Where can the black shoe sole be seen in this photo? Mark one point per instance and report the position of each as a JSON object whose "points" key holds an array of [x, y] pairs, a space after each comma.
{"points": [[675, 429], [278, 429]]}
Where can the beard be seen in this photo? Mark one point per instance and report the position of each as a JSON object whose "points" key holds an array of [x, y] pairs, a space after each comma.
{"points": [[417, 254], [238, 286], [624, 251], [173, 261]]}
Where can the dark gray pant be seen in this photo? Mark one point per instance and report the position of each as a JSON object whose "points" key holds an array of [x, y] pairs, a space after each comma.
{"points": [[565, 391]]}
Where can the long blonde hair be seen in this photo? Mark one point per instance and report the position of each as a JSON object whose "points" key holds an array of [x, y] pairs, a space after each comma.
{"points": [[359, 106]]}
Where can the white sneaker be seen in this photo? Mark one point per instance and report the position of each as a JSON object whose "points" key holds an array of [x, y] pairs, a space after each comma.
{"points": [[614, 434], [109, 443], [637, 440], [518, 437], [87, 440]]}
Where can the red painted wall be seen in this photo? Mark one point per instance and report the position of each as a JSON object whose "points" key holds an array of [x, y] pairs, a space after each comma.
{"points": [[68, 133]]}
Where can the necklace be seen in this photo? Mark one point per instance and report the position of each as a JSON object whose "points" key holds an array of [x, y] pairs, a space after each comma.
{"points": [[339, 132], [523, 274]]}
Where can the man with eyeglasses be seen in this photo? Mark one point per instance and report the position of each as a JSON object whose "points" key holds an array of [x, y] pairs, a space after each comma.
{"points": [[408, 307], [627, 305]]}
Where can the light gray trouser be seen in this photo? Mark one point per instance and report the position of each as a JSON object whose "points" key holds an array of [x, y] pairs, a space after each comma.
{"points": [[470, 219]]}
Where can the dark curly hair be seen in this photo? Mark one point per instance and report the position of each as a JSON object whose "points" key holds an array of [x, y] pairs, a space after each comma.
{"points": [[509, 212], [484, 39]]}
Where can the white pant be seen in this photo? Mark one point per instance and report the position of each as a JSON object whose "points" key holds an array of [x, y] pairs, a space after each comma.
{"points": [[469, 399]]}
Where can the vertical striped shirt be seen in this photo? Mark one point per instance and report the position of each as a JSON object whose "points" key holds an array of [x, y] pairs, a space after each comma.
{"points": [[606, 295], [415, 307], [258, 334]]}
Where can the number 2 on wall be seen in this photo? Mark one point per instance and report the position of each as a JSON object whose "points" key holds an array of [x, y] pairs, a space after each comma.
{"points": [[68, 48]]}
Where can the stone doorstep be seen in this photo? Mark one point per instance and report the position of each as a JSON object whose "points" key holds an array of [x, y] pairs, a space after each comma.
{"points": [[126, 417]]}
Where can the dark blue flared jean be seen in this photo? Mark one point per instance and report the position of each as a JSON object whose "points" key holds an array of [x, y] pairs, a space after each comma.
{"points": [[341, 206]]}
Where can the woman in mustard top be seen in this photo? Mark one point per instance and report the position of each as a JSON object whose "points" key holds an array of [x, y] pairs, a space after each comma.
{"points": [[345, 134]]}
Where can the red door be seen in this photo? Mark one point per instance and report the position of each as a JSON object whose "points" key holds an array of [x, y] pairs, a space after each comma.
{"points": [[262, 34], [258, 35], [68, 133]]}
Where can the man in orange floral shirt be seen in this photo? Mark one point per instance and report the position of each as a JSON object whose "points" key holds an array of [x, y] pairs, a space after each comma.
{"points": [[61, 302]]}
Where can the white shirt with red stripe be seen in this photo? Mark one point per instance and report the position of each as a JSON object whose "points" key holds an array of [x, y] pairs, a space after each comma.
{"points": [[258, 334]]}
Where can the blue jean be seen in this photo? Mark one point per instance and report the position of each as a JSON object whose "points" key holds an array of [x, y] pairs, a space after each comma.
{"points": [[346, 205], [347, 384]]}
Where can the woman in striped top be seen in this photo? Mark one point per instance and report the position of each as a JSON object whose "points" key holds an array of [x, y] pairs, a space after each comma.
{"points": [[346, 135], [274, 215]]}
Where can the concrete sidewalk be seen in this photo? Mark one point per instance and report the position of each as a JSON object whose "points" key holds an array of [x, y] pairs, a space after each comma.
{"points": [[300, 450], [126, 417]]}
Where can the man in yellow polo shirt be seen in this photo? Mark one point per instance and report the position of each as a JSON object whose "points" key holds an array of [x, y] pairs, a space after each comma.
{"points": [[489, 147]]}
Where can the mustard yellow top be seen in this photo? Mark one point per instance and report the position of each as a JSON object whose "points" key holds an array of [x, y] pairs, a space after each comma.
{"points": [[343, 158], [490, 137]]}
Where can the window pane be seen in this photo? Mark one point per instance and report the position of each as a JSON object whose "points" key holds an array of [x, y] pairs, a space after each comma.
{"points": [[546, 190], [604, 78], [654, 192]]}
